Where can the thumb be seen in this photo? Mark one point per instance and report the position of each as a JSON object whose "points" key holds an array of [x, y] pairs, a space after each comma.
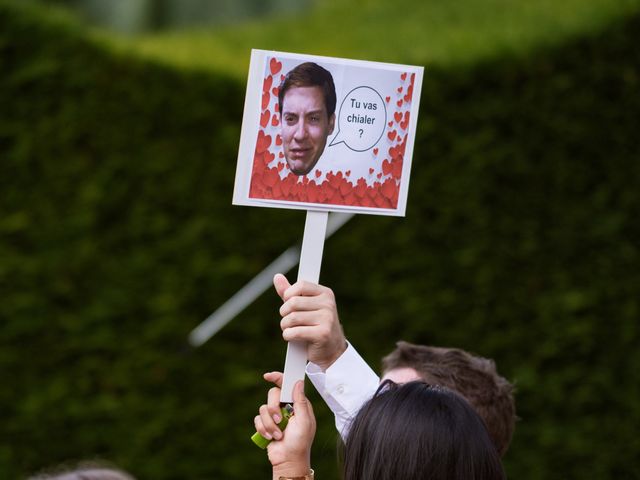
{"points": [[301, 405], [274, 377], [281, 283]]}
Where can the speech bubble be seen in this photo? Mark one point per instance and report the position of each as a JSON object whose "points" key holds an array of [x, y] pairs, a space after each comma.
{"points": [[361, 120]]}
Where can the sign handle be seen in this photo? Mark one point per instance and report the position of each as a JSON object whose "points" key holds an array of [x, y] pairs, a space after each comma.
{"points": [[315, 229], [310, 261]]}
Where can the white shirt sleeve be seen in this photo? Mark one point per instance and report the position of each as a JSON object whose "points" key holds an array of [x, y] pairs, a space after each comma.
{"points": [[345, 386]]}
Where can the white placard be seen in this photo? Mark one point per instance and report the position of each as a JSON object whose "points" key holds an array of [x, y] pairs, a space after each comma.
{"points": [[357, 158]]}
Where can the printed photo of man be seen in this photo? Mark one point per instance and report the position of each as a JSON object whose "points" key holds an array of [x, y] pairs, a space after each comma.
{"points": [[307, 104]]}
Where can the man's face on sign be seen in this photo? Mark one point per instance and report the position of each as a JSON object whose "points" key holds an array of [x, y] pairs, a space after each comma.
{"points": [[305, 127]]}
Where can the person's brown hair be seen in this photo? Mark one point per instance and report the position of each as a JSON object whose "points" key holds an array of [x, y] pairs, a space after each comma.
{"points": [[310, 74], [473, 377]]}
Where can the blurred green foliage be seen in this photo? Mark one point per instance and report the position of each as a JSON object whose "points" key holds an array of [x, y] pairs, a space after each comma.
{"points": [[135, 16], [117, 237], [421, 32]]}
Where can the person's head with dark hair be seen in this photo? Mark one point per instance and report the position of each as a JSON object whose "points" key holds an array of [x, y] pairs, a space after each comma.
{"points": [[415, 431], [473, 377], [84, 471], [307, 105]]}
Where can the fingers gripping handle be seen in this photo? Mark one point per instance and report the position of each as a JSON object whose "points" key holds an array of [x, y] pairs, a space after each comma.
{"points": [[287, 412]]}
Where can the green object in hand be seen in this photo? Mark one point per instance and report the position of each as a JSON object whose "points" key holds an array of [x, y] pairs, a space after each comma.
{"points": [[287, 412]]}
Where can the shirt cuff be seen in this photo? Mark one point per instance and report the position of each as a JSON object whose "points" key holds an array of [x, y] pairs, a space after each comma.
{"points": [[346, 384]]}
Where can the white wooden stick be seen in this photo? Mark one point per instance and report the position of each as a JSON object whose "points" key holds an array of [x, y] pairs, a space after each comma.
{"points": [[310, 261]]}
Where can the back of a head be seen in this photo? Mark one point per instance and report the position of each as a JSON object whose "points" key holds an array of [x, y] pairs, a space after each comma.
{"points": [[84, 471], [473, 377], [416, 431]]}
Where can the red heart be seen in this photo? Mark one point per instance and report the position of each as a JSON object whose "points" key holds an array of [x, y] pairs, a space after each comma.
{"points": [[396, 152], [388, 99], [389, 189], [387, 168], [280, 166], [409, 95], [268, 157], [397, 169], [335, 180], [275, 121], [263, 142], [318, 173], [287, 185], [390, 124], [403, 76], [265, 100], [361, 188], [379, 176], [345, 188], [400, 89], [348, 172], [399, 103], [392, 135], [264, 118], [275, 66], [266, 85], [413, 77], [397, 116], [405, 123], [278, 140], [375, 151], [275, 91], [281, 155], [371, 171]]}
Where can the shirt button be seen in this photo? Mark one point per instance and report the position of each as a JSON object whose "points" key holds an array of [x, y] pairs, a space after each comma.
{"points": [[340, 389]]}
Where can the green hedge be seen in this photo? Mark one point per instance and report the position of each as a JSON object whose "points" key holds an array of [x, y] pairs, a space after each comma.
{"points": [[117, 237]]}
